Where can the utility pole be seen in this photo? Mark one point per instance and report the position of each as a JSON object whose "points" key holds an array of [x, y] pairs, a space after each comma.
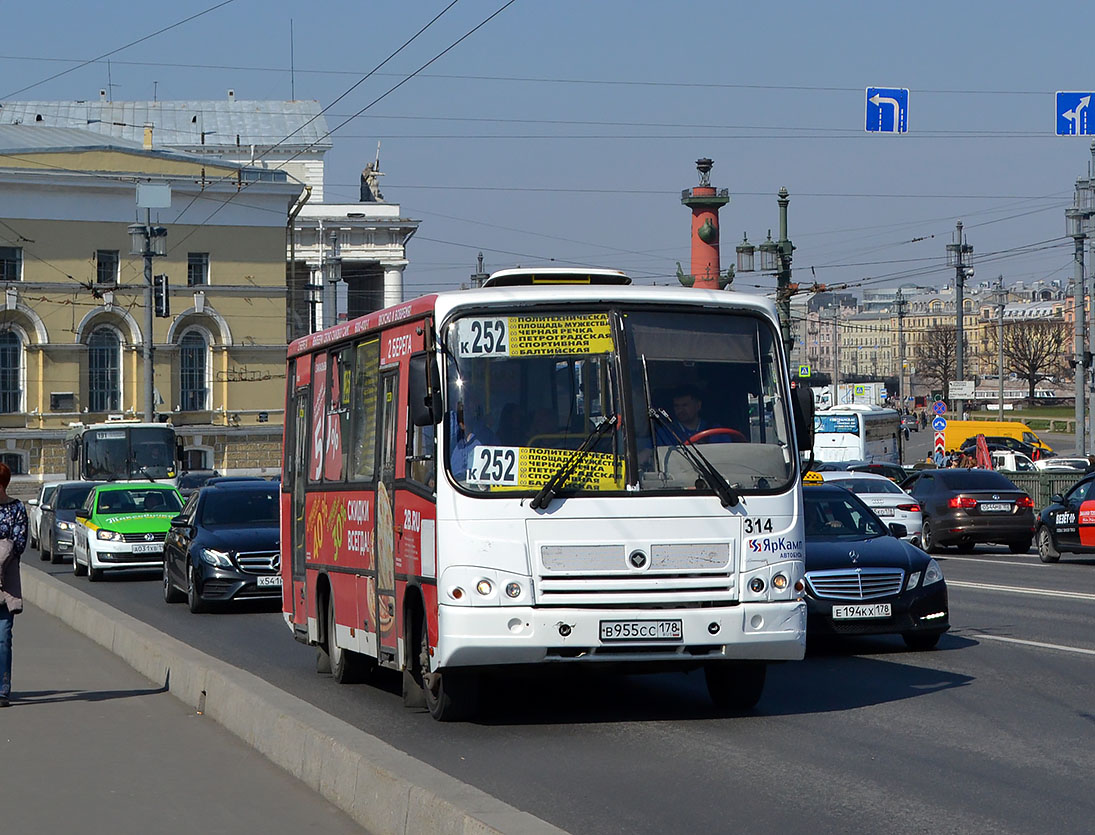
{"points": [[836, 358], [957, 255], [1001, 300], [899, 303], [149, 241], [1074, 221], [784, 288]]}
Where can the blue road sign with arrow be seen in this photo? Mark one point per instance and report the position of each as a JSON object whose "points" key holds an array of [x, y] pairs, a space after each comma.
{"points": [[1074, 114], [939, 423], [887, 110]]}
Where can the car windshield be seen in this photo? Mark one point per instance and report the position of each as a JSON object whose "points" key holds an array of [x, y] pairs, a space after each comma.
{"points": [[868, 485], [137, 500], [971, 479], [524, 392], [47, 494], [839, 516], [70, 498], [240, 508]]}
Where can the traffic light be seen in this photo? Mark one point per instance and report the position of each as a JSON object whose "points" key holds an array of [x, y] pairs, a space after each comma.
{"points": [[161, 299]]}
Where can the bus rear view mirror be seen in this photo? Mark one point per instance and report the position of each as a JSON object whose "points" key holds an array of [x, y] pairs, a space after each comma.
{"points": [[424, 390], [802, 406]]}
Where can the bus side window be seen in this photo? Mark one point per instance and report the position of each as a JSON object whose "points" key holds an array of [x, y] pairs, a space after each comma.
{"points": [[363, 413], [421, 440]]}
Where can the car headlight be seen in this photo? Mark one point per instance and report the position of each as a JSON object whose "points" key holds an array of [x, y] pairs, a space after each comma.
{"points": [[109, 536], [212, 556], [933, 573], [64, 526]]}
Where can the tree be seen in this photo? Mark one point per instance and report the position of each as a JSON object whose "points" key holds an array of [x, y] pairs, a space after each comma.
{"points": [[936, 356], [1034, 350]]}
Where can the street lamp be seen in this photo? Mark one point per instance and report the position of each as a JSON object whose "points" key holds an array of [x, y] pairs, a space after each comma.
{"points": [[775, 257], [149, 242], [1076, 225]]}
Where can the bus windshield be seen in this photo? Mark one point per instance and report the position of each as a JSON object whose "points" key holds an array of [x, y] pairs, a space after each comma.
{"points": [[526, 391], [130, 452]]}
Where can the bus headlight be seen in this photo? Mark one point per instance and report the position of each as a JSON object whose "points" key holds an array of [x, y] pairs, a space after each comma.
{"points": [[460, 581], [109, 536]]}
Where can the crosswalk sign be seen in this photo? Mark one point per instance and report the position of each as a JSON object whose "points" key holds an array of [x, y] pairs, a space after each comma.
{"points": [[804, 371]]}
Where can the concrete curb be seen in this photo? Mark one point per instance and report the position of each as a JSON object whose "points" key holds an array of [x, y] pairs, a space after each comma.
{"points": [[385, 790]]}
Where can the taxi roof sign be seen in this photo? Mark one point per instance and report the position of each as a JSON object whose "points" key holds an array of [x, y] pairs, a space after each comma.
{"points": [[527, 277], [812, 478]]}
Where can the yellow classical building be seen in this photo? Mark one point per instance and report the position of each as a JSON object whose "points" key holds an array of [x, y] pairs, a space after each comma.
{"points": [[72, 297]]}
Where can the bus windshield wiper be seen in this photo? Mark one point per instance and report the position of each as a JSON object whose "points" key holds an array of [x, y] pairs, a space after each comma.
{"points": [[723, 489], [551, 486]]}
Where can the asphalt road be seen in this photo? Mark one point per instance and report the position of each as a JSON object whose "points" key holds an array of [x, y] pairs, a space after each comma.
{"points": [[986, 733]]}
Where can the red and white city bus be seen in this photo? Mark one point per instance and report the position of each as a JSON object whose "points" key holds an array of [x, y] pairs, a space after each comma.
{"points": [[506, 476]]}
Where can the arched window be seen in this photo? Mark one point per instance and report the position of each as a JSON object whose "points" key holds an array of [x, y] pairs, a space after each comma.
{"points": [[193, 372], [11, 372], [104, 383]]}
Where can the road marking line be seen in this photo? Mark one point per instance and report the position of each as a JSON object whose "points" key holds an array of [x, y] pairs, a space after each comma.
{"points": [[1074, 595], [1040, 644], [988, 560]]}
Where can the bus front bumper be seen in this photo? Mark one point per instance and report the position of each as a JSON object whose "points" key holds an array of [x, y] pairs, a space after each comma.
{"points": [[482, 636]]}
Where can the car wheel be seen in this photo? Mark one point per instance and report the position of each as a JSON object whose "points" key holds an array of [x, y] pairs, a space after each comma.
{"points": [[927, 539], [193, 595], [921, 641], [1020, 546], [46, 554], [735, 686], [452, 695], [347, 666], [170, 593], [1047, 551], [94, 575], [78, 569]]}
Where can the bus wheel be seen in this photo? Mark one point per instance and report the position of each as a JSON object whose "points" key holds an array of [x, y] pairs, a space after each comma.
{"points": [[452, 695], [347, 666], [735, 686]]}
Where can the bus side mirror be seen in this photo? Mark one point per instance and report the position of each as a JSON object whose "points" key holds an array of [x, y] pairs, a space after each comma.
{"points": [[74, 452], [424, 389], [180, 451], [802, 408]]}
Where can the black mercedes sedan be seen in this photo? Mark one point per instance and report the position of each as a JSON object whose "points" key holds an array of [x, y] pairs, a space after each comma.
{"points": [[862, 579], [224, 546], [1067, 524]]}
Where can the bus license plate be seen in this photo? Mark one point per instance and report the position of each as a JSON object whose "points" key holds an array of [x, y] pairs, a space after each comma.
{"points": [[995, 507], [273, 580], [148, 548], [859, 612], [642, 630]]}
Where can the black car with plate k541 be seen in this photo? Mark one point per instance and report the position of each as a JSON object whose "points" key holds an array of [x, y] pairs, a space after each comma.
{"points": [[862, 579]]}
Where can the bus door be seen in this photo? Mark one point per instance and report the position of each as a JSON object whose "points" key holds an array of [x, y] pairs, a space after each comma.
{"points": [[385, 519], [299, 436]]}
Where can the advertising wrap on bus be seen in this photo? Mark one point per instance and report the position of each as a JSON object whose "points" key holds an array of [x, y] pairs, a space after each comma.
{"points": [[521, 475]]}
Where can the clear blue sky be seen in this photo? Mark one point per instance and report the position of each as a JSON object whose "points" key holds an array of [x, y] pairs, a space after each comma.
{"points": [[566, 129]]}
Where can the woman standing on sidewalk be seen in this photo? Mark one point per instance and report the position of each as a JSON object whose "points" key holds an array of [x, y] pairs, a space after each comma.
{"points": [[13, 539]]}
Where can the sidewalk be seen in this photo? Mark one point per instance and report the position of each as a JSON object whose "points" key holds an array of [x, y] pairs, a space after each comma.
{"points": [[90, 745]]}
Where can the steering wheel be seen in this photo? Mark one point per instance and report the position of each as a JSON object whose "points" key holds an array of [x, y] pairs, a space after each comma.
{"points": [[737, 436]]}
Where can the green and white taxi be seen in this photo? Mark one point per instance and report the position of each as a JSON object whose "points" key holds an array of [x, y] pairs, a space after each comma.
{"points": [[123, 525]]}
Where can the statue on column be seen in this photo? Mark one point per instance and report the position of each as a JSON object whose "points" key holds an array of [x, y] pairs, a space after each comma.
{"points": [[370, 181]]}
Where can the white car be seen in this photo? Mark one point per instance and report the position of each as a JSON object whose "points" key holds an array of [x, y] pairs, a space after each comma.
{"points": [[886, 499], [34, 512], [1059, 464], [1012, 462]]}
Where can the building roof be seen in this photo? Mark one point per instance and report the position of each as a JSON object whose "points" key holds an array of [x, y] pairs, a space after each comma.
{"points": [[181, 124], [29, 138]]}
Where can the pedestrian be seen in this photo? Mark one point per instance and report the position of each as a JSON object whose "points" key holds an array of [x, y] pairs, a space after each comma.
{"points": [[13, 539]]}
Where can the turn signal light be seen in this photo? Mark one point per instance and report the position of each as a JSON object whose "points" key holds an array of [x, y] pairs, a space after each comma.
{"points": [[779, 582], [1025, 501], [965, 502]]}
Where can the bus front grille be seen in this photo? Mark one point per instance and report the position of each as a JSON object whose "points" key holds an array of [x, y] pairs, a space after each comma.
{"points": [[637, 591]]}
